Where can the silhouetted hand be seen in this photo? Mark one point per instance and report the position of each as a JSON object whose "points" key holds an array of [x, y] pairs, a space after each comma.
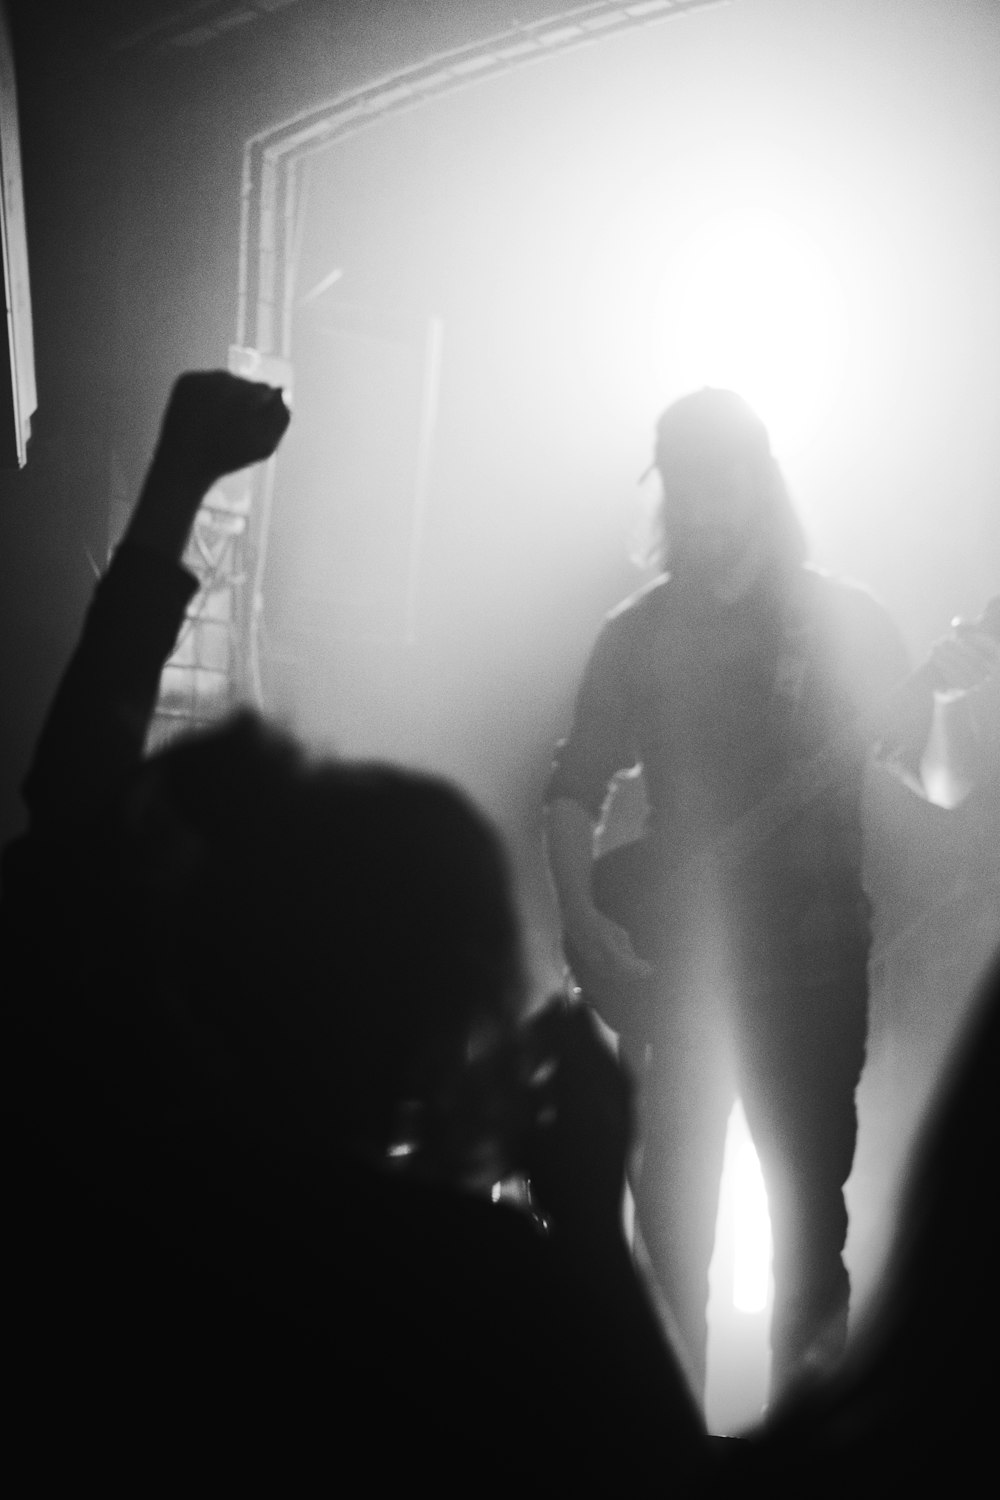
{"points": [[577, 1149], [216, 423]]}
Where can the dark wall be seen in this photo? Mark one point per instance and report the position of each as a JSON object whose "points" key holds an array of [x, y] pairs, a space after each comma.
{"points": [[131, 157]]}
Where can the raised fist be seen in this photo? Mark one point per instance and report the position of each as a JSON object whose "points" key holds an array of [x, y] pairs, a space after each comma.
{"points": [[216, 423]]}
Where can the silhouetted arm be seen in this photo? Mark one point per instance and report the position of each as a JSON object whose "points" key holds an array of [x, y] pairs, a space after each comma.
{"points": [[577, 1169], [599, 745], [95, 730]]}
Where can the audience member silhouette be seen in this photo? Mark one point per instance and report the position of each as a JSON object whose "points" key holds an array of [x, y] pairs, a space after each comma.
{"points": [[263, 1054]]}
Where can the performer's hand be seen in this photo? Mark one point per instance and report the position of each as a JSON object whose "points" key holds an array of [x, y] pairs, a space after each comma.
{"points": [[965, 659], [605, 948], [216, 423]]}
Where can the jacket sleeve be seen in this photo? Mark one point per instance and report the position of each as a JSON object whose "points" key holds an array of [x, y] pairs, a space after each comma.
{"points": [[601, 742], [96, 727]]}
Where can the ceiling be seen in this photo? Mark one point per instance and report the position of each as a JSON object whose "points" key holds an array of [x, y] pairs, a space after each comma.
{"points": [[74, 35]]}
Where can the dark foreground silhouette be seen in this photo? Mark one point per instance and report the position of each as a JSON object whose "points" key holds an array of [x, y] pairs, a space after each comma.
{"points": [[263, 1057]]}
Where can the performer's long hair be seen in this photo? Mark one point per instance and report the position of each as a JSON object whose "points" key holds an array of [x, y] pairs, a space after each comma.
{"points": [[714, 422]]}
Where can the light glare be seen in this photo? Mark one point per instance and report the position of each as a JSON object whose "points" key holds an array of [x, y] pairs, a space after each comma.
{"points": [[750, 302], [752, 1256]]}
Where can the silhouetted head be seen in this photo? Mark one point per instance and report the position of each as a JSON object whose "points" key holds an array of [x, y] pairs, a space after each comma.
{"points": [[349, 925], [723, 495]]}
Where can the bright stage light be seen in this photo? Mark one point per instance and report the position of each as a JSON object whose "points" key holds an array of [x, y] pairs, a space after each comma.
{"points": [[750, 301], [752, 1233]]}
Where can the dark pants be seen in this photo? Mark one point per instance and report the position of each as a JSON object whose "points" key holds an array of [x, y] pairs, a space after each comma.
{"points": [[788, 1037]]}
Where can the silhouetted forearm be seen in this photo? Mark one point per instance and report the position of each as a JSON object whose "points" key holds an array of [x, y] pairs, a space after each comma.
{"points": [[96, 728]]}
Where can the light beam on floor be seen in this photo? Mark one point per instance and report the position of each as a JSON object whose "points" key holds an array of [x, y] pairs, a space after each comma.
{"points": [[740, 1294]]}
